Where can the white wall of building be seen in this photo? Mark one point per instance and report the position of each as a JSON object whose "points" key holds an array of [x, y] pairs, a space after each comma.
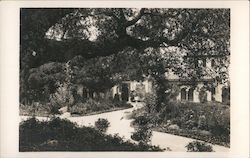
{"points": [[217, 96], [218, 93], [196, 95]]}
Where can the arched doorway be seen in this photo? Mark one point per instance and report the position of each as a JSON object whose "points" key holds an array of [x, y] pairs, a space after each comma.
{"points": [[183, 94], [191, 94]]}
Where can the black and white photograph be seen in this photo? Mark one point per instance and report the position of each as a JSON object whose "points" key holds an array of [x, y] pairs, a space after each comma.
{"points": [[124, 79]]}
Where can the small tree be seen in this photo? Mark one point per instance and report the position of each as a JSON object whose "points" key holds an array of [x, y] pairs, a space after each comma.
{"points": [[63, 95], [143, 133]]}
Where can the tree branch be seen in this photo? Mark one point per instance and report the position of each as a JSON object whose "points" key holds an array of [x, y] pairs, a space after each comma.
{"points": [[138, 17]]}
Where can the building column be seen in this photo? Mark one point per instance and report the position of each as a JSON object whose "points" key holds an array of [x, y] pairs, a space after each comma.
{"points": [[146, 86], [209, 96], [218, 93], [196, 95], [129, 92], [114, 90], [187, 89], [178, 97]]}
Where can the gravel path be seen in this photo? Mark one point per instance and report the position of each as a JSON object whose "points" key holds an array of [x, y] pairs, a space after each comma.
{"points": [[121, 125]]}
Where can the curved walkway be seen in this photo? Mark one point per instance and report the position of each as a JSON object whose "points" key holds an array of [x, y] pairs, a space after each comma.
{"points": [[121, 125]]}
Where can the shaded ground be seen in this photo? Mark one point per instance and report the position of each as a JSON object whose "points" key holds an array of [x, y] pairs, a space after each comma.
{"points": [[121, 125]]}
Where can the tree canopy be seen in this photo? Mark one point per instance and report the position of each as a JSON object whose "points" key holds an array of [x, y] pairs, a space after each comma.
{"points": [[102, 32], [106, 45]]}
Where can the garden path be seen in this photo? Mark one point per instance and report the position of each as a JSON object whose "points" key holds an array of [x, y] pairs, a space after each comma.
{"points": [[119, 123]]}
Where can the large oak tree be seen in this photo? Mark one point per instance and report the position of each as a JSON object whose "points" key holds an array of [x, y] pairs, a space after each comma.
{"points": [[109, 35]]}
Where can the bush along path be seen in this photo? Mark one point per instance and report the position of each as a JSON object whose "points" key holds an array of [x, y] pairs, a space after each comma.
{"points": [[63, 135], [121, 124]]}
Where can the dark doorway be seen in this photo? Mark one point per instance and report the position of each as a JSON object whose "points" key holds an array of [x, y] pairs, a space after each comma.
{"points": [[226, 95], [125, 92], [84, 93], [191, 94], [183, 94], [213, 94]]}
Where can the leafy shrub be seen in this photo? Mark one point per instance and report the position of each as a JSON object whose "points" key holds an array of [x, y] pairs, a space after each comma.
{"points": [[177, 121], [36, 131], [63, 135], [91, 105], [197, 146], [190, 124], [102, 124], [62, 97], [79, 108], [203, 95], [121, 104], [34, 109], [202, 124], [136, 113], [54, 109], [142, 132], [143, 135], [198, 134], [150, 101], [141, 121], [212, 117]]}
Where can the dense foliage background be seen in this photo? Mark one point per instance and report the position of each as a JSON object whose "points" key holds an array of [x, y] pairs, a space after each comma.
{"points": [[103, 46]]}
